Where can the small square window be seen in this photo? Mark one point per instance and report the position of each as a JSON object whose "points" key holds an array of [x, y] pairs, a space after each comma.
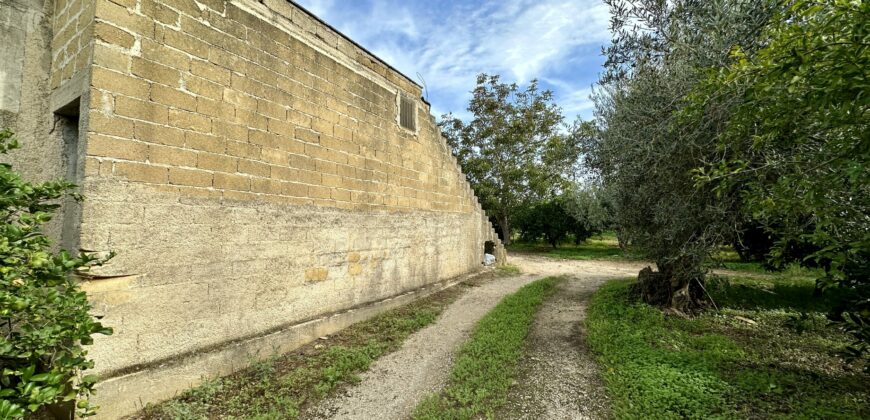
{"points": [[407, 113]]}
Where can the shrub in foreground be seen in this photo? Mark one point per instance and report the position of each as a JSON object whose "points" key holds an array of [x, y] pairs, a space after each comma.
{"points": [[44, 319]]}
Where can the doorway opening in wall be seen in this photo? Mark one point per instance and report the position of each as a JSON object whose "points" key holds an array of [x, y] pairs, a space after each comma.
{"points": [[66, 132], [488, 253]]}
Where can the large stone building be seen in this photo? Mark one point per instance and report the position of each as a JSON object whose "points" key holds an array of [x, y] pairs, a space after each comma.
{"points": [[263, 179]]}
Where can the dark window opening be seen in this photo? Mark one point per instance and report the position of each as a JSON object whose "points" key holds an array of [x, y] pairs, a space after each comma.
{"points": [[407, 113], [66, 128]]}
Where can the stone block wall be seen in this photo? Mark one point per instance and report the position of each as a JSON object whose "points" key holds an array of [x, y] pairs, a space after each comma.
{"points": [[72, 39], [246, 163]]}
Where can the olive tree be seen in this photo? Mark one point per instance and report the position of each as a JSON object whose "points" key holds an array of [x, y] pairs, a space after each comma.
{"points": [[647, 156]]}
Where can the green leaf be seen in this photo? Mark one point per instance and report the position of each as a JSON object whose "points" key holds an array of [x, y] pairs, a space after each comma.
{"points": [[90, 379]]}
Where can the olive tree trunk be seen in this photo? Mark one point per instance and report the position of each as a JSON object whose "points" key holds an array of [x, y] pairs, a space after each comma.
{"points": [[677, 285]]}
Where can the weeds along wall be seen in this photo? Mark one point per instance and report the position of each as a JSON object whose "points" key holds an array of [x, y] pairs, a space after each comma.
{"points": [[247, 164]]}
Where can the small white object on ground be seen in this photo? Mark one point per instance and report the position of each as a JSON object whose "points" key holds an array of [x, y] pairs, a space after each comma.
{"points": [[488, 259]]}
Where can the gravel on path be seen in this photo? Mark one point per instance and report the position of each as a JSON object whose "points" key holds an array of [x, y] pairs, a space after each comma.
{"points": [[397, 382], [558, 377]]}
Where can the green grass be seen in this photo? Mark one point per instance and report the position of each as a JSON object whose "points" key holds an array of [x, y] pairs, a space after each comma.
{"points": [[603, 247], [508, 270], [718, 366], [726, 258], [281, 387], [486, 364]]}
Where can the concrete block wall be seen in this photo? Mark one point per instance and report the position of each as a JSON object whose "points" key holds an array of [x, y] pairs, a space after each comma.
{"points": [[246, 164], [25, 59], [72, 39]]}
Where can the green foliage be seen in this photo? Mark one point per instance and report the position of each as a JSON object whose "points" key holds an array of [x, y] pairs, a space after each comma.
{"points": [[512, 151], [644, 154], [797, 140], [603, 247], [593, 209], [580, 213], [281, 387], [546, 219], [486, 364], [716, 365], [43, 315]]}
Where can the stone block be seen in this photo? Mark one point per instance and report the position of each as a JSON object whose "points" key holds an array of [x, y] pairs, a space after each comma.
{"points": [[140, 172], [171, 156], [156, 72], [218, 163], [205, 142], [232, 182], [118, 148], [157, 133], [141, 110], [189, 120], [117, 82], [190, 177], [173, 97]]}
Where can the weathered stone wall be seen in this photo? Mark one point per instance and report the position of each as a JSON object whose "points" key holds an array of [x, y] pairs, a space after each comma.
{"points": [[48, 141], [72, 39], [246, 163], [25, 57]]}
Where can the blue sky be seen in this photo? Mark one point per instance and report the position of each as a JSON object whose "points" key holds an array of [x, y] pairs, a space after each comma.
{"points": [[450, 42]]}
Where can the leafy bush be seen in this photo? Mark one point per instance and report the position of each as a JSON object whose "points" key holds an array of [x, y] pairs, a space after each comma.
{"points": [[577, 214], [796, 141], [44, 316], [547, 220]]}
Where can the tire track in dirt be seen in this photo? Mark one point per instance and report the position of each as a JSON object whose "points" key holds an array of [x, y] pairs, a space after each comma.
{"points": [[397, 382], [558, 376]]}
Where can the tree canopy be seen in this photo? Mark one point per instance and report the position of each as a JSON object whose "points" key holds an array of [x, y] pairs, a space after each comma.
{"points": [[796, 140], [727, 121], [515, 150], [644, 155]]}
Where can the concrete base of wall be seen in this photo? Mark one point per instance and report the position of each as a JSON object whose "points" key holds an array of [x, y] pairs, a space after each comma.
{"points": [[126, 394]]}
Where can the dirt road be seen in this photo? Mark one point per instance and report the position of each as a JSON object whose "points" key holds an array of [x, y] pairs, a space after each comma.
{"points": [[558, 378]]}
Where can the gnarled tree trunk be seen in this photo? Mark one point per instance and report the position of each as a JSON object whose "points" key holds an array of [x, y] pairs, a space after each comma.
{"points": [[504, 224], [677, 285]]}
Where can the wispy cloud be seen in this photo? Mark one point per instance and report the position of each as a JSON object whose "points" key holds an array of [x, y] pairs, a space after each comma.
{"points": [[321, 8], [449, 43]]}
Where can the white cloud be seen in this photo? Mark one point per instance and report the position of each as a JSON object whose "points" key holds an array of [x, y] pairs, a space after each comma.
{"points": [[574, 99], [320, 8], [450, 45]]}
